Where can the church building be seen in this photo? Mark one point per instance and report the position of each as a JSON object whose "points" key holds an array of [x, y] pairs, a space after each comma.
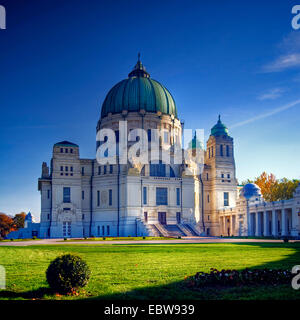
{"points": [[82, 198]]}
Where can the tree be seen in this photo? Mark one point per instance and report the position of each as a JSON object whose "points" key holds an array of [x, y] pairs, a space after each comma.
{"points": [[19, 220], [273, 189], [6, 224], [285, 189], [268, 185]]}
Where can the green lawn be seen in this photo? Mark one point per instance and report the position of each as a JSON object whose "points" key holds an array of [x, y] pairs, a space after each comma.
{"points": [[147, 271], [119, 239]]}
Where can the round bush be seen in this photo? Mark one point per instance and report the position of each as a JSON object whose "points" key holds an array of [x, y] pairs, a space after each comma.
{"points": [[67, 273]]}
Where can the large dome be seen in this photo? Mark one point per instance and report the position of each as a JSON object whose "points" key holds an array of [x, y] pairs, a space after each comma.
{"points": [[139, 92]]}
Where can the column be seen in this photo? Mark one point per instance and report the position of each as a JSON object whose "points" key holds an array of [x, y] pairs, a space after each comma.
{"points": [[295, 219], [248, 220], [221, 226], [266, 223], [258, 228], [283, 222], [249, 224], [232, 229], [253, 223], [274, 223]]}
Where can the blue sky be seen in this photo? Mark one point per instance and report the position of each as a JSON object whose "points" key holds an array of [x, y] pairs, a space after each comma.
{"points": [[58, 59]]}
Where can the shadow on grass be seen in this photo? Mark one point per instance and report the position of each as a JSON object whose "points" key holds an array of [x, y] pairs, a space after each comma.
{"points": [[181, 290], [39, 293]]}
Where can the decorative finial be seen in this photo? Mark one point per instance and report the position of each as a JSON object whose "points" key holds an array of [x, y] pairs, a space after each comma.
{"points": [[139, 70], [219, 117]]}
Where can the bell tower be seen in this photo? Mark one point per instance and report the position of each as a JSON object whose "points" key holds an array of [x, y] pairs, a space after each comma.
{"points": [[219, 176]]}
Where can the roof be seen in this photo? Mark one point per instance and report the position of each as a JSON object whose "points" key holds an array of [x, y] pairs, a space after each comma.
{"points": [[251, 190], [219, 129], [66, 144], [139, 92]]}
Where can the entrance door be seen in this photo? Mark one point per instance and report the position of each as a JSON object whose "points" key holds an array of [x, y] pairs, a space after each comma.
{"points": [[67, 229], [162, 217]]}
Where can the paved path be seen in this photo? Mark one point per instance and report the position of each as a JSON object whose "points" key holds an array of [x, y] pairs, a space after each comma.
{"points": [[184, 240]]}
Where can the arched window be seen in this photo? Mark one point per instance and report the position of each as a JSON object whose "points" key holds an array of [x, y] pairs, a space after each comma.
{"points": [[227, 151]]}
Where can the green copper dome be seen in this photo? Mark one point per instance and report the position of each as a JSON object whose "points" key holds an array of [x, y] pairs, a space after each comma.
{"points": [[139, 92], [219, 129], [195, 143], [66, 144]]}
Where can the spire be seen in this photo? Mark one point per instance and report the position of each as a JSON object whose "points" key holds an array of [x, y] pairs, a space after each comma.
{"points": [[219, 120], [139, 70]]}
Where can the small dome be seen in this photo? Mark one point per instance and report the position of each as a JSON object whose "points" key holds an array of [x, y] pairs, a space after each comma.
{"points": [[66, 144], [251, 190], [139, 92], [28, 217], [195, 143], [219, 129]]}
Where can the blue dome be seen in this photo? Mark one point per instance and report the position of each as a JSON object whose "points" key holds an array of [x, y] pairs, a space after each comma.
{"points": [[28, 217], [139, 92], [251, 190]]}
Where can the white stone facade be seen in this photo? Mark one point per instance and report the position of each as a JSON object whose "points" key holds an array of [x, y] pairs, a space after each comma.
{"points": [[109, 201], [255, 217]]}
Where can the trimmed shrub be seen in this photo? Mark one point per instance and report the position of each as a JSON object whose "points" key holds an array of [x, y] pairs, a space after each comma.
{"points": [[67, 273]]}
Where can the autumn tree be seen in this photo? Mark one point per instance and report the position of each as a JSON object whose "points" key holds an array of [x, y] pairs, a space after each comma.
{"points": [[268, 185], [6, 225], [19, 220], [273, 189]]}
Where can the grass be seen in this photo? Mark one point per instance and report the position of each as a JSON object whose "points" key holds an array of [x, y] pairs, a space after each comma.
{"points": [[120, 239], [147, 271], [9, 240]]}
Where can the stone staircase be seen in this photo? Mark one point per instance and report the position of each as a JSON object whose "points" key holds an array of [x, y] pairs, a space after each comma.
{"points": [[154, 231], [185, 230], [162, 230], [189, 230], [173, 230], [169, 230]]}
